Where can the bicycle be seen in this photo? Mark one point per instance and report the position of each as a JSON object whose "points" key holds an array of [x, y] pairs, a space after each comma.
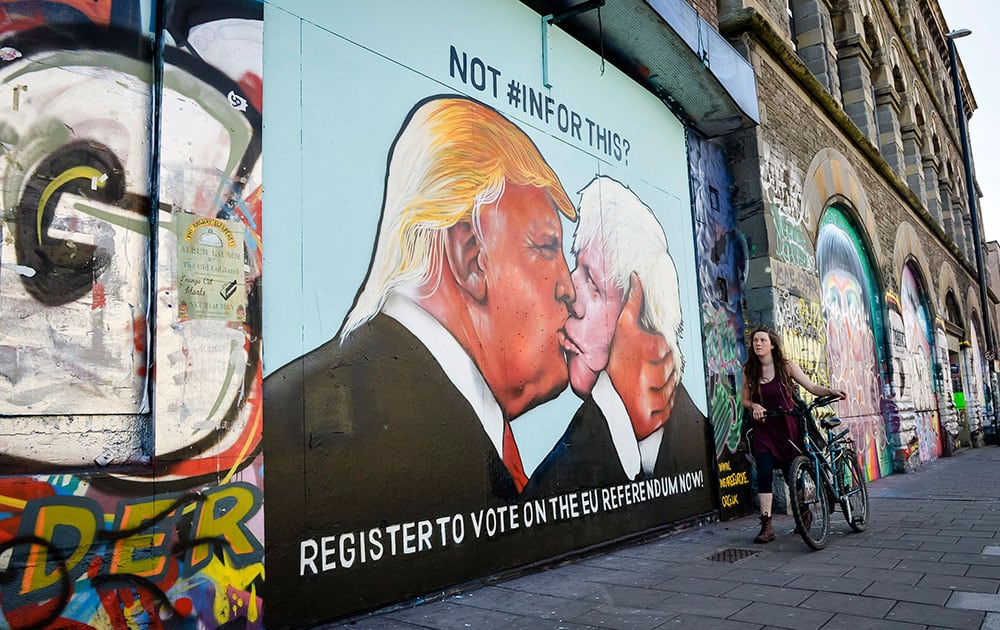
{"points": [[829, 462]]}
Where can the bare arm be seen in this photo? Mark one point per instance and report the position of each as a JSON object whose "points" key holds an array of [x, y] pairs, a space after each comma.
{"points": [[816, 390], [756, 410]]}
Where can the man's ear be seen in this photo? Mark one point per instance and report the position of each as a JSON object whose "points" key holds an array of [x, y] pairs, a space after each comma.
{"points": [[464, 252]]}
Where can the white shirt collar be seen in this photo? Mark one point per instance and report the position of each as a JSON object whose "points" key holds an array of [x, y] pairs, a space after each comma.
{"points": [[632, 454], [455, 362]]}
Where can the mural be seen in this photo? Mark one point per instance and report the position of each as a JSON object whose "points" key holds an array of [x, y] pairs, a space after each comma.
{"points": [[975, 401], [943, 385], [498, 373], [722, 262], [917, 369], [116, 266], [849, 300]]}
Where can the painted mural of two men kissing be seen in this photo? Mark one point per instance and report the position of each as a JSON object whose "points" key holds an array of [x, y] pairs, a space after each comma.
{"points": [[469, 317]]}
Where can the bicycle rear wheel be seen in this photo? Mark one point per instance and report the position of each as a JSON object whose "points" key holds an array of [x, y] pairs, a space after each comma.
{"points": [[809, 504], [854, 492]]}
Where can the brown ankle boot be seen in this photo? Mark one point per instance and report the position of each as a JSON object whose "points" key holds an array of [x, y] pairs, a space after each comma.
{"points": [[766, 535]]}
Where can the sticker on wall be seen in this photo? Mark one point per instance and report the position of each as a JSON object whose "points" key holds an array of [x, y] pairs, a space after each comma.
{"points": [[210, 269]]}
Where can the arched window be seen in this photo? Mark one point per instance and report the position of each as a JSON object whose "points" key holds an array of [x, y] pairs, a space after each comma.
{"points": [[952, 312], [811, 30], [898, 83]]}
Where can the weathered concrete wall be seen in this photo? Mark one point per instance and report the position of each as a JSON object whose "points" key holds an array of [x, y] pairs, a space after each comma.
{"points": [[130, 358]]}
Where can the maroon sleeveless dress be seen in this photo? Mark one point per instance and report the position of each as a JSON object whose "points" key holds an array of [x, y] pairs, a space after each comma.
{"points": [[779, 436]]}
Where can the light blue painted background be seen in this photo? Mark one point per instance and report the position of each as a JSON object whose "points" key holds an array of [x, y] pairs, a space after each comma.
{"points": [[340, 78]]}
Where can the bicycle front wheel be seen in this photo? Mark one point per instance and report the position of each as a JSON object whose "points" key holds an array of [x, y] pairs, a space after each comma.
{"points": [[809, 504], [853, 492]]}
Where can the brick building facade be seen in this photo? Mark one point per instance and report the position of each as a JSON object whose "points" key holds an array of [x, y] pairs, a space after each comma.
{"points": [[851, 193]]}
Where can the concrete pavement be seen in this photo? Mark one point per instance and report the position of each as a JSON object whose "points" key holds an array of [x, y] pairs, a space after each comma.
{"points": [[929, 559]]}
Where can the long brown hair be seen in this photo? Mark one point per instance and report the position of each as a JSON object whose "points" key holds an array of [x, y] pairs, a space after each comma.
{"points": [[753, 369]]}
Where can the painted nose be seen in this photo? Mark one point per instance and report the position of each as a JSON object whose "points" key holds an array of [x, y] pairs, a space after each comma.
{"points": [[576, 307], [565, 291]]}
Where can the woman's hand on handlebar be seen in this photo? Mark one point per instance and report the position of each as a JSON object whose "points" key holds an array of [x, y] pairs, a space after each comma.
{"points": [[758, 411]]}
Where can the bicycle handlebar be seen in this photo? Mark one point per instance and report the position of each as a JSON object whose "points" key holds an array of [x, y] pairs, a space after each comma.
{"points": [[841, 434], [819, 401], [824, 401]]}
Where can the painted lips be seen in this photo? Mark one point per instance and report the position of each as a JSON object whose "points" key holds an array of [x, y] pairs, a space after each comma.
{"points": [[568, 344]]}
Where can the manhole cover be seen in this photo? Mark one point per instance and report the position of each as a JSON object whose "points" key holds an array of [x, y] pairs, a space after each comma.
{"points": [[732, 555]]}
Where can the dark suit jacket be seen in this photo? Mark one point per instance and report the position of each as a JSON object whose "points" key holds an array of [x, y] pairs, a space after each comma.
{"points": [[368, 434], [585, 456]]}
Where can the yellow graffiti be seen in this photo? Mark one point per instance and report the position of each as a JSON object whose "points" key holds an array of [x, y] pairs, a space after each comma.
{"points": [[221, 571], [96, 178], [123, 557], [12, 502], [226, 526], [254, 428], [803, 332], [48, 519]]}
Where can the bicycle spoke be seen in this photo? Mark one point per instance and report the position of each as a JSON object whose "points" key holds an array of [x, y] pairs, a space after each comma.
{"points": [[809, 503]]}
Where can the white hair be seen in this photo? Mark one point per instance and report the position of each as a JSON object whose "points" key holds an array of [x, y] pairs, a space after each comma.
{"points": [[613, 218]]}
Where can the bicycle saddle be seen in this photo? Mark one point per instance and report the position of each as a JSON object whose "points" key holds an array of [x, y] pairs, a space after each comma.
{"points": [[830, 423]]}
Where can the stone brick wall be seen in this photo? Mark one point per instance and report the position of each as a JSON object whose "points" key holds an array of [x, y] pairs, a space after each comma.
{"points": [[706, 9]]}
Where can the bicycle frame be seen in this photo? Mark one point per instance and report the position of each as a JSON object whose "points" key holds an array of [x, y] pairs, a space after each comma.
{"points": [[828, 460]]}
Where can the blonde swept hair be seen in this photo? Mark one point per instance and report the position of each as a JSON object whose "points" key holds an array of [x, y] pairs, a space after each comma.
{"points": [[453, 155]]}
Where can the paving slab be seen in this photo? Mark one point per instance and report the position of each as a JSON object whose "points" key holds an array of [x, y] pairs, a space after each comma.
{"points": [[703, 605], [783, 616], [974, 601], [770, 594], [622, 618], [850, 604], [842, 621], [942, 617], [884, 575], [958, 583]]}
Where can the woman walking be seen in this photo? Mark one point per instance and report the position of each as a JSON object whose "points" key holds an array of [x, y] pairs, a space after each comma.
{"points": [[776, 440]]}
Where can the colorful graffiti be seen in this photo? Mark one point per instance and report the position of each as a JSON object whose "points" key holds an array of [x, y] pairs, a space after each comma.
{"points": [[849, 299], [169, 560], [944, 386], [918, 381], [138, 418], [722, 261], [782, 190], [972, 363], [799, 320]]}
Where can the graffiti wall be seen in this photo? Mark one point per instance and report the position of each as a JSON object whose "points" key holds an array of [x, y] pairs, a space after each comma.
{"points": [[849, 300], [722, 266], [944, 386], [974, 371], [798, 315], [485, 348], [130, 265], [918, 371]]}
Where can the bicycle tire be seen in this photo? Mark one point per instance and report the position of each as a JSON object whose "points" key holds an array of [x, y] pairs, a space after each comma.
{"points": [[809, 503], [854, 506]]}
